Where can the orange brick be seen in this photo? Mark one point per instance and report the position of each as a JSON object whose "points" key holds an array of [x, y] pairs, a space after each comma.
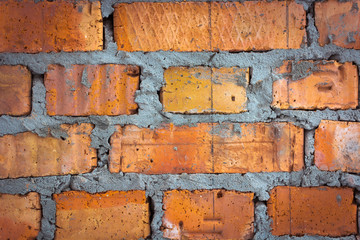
{"points": [[316, 85], [148, 26], [208, 214], [204, 26], [205, 90], [15, 90], [27, 154], [338, 22], [337, 146], [20, 216], [109, 215], [83, 90], [257, 25], [313, 211], [50, 26], [208, 148]]}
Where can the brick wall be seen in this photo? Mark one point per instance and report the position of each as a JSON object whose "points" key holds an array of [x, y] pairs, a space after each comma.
{"points": [[179, 120]]}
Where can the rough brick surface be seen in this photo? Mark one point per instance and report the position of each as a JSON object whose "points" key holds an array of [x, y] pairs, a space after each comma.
{"points": [[208, 148], [27, 154], [337, 146], [83, 90], [316, 85], [205, 90], [338, 23], [313, 211], [109, 215], [198, 26], [208, 214], [50, 26], [15, 90], [143, 26], [20, 216], [257, 25]]}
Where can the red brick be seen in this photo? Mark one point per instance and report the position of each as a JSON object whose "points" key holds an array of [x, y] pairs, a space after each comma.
{"points": [[208, 214], [15, 90], [20, 216], [338, 22], [109, 215], [27, 154], [316, 85], [205, 90], [321, 211], [83, 90], [50, 26], [148, 26], [208, 148], [257, 25], [337, 146], [204, 26]]}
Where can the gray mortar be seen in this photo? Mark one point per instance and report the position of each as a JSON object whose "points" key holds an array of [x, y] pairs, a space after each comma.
{"points": [[150, 115]]}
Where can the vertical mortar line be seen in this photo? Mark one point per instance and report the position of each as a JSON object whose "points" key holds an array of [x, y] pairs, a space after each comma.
{"points": [[290, 208], [290, 148], [213, 210], [212, 121], [287, 24]]}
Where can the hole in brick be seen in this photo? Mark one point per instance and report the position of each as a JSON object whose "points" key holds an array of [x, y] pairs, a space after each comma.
{"points": [[233, 98], [335, 57], [219, 194], [181, 224]]}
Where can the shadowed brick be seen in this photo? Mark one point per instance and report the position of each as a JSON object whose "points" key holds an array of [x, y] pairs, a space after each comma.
{"points": [[50, 26], [338, 23], [208, 214], [337, 146], [27, 154], [207, 148], [20, 216], [83, 90], [321, 211], [15, 90], [109, 215]]}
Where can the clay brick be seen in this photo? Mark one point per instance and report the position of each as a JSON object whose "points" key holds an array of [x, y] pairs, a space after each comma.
{"points": [[148, 26], [207, 148], [257, 25], [109, 215], [27, 154], [20, 216], [204, 26], [338, 23], [50, 26], [83, 90], [337, 146], [208, 214], [321, 211], [316, 85], [205, 90], [15, 90]]}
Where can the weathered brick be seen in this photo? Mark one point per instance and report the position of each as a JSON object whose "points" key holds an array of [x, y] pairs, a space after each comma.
{"points": [[83, 90], [322, 211], [337, 146], [205, 90], [148, 26], [257, 25], [50, 26], [109, 215], [15, 90], [208, 148], [204, 26], [338, 23], [20, 216], [27, 154], [208, 214], [316, 85]]}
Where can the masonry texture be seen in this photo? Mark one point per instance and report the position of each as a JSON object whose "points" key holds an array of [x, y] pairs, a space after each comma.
{"points": [[129, 119]]}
